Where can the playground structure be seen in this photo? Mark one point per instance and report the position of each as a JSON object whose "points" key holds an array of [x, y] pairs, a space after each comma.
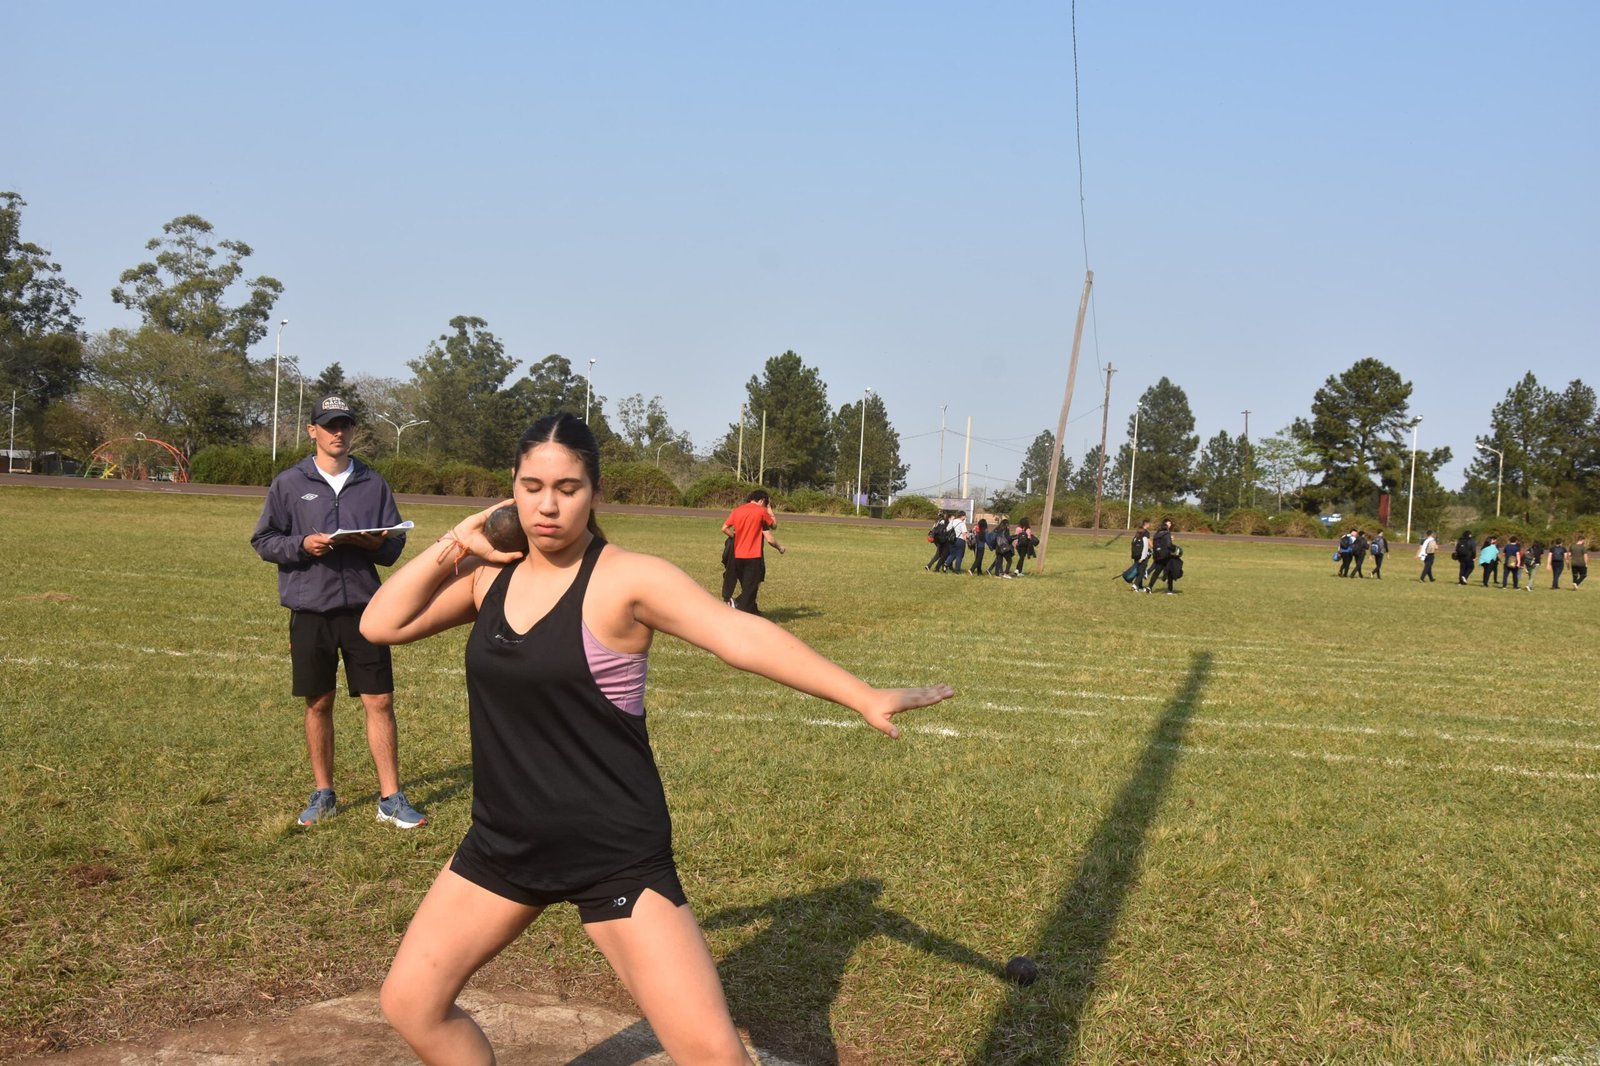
{"points": [[137, 458]]}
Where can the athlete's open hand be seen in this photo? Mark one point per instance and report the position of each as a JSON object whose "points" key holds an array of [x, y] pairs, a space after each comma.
{"points": [[888, 702]]}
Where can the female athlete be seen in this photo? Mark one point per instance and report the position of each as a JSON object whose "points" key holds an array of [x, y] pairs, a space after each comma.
{"points": [[567, 805]]}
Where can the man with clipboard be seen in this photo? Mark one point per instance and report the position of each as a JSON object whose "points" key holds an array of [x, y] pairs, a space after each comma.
{"points": [[328, 523]]}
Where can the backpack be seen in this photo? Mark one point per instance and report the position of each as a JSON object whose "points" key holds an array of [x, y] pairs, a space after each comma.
{"points": [[1138, 544], [936, 535], [1002, 541]]}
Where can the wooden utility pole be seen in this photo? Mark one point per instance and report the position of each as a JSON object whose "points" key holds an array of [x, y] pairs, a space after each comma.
{"points": [[1105, 423], [1061, 426]]}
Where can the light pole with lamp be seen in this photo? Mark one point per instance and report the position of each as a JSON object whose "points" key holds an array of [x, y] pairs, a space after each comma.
{"points": [[1499, 478], [1411, 493], [862, 454], [277, 363], [1133, 461], [11, 453], [587, 381], [299, 407], [399, 429]]}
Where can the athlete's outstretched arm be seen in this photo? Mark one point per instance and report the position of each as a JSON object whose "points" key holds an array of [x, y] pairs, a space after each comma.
{"points": [[668, 600], [434, 591]]}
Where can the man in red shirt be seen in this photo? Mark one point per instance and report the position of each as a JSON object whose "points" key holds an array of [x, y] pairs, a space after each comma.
{"points": [[748, 526]]}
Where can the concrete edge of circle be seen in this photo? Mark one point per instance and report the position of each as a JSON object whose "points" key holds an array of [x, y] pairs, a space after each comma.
{"points": [[527, 1029]]}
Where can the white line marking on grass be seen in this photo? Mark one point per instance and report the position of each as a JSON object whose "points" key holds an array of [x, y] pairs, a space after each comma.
{"points": [[1332, 757], [1570, 1058]]}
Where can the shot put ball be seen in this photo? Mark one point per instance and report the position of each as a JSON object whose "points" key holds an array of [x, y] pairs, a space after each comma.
{"points": [[1022, 970], [504, 530]]}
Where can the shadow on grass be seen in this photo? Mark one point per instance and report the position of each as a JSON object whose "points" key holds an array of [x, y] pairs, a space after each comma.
{"points": [[426, 790], [781, 984], [789, 614], [1040, 1023]]}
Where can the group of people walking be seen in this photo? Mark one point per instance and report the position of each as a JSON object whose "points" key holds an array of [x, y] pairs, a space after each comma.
{"points": [[1355, 546], [951, 536], [1155, 557], [1509, 564]]}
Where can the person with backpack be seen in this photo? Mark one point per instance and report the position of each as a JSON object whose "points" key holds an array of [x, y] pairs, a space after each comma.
{"points": [[1025, 543], [1487, 558], [1531, 560], [1163, 551], [1465, 555], [1511, 564], [938, 536], [1139, 551], [1347, 551], [1579, 562], [956, 546], [1430, 547], [1379, 548], [980, 541], [1358, 548], [1003, 550]]}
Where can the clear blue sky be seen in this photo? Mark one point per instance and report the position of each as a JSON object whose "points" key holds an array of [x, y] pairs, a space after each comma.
{"points": [[680, 191]]}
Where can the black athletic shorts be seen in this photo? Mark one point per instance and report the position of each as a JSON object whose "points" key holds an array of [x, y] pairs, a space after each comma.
{"points": [[603, 902], [315, 641]]}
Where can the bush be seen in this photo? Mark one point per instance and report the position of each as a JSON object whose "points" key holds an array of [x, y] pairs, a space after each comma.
{"points": [[1074, 511], [233, 464], [466, 479], [1186, 518], [717, 490], [408, 475], [814, 501], [1297, 524], [913, 507], [643, 483], [1247, 520]]}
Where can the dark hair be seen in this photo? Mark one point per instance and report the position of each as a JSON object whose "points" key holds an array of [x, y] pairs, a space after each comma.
{"points": [[757, 495], [573, 434]]}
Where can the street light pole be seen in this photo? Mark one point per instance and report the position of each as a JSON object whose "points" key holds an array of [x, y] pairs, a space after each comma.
{"points": [[1411, 493], [277, 363], [1133, 462], [941, 445], [588, 381], [862, 454], [1499, 478], [399, 429], [11, 453]]}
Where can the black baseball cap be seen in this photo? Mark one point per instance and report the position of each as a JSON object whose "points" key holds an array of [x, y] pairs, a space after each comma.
{"points": [[329, 408]]}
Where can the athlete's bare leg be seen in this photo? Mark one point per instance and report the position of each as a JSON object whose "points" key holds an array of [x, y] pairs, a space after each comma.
{"points": [[458, 927], [664, 962]]}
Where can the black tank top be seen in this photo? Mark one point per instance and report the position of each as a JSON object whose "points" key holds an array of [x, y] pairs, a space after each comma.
{"points": [[565, 791]]}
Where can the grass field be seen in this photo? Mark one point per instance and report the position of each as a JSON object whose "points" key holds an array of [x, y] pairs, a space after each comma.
{"points": [[1277, 818]]}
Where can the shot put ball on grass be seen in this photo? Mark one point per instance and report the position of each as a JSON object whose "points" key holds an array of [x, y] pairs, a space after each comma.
{"points": [[504, 530], [1022, 970]]}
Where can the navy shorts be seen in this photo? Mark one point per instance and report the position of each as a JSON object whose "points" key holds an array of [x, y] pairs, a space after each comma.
{"points": [[604, 901], [317, 638]]}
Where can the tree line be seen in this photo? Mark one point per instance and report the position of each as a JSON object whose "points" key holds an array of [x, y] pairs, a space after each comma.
{"points": [[184, 375], [1354, 447]]}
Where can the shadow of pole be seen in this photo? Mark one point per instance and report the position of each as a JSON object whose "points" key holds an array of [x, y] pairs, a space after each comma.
{"points": [[1040, 1023]]}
